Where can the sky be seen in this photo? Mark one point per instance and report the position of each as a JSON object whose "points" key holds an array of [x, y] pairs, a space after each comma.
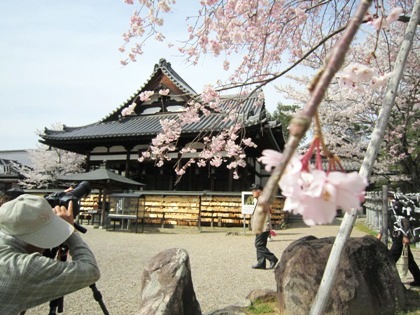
{"points": [[60, 63]]}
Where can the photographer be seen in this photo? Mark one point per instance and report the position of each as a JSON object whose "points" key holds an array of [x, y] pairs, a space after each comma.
{"points": [[28, 226]]}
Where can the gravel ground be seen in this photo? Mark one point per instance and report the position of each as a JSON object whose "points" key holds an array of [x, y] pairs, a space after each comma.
{"points": [[220, 264]]}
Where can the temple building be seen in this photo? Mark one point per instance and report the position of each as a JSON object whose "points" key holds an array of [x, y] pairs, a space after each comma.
{"points": [[119, 140]]}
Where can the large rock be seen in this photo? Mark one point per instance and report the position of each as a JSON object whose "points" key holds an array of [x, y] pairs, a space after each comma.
{"points": [[367, 281], [167, 286]]}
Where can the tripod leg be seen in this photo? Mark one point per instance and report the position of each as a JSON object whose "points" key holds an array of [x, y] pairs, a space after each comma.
{"points": [[56, 306], [98, 298]]}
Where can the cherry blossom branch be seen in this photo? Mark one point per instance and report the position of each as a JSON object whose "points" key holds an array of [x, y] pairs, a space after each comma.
{"points": [[262, 83], [300, 123], [346, 227]]}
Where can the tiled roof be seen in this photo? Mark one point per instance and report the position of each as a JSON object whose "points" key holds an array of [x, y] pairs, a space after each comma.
{"points": [[100, 175], [114, 126], [144, 125], [21, 156], [7, 169]]}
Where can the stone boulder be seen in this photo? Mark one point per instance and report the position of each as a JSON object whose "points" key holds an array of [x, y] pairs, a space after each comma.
{"points": [[262, 295], [367, 281], [167, 287]]}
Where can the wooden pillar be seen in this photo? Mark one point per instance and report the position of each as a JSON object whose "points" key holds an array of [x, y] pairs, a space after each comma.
{"points": [[384, 228], [199, 213], [87, 162], [127, 162]]}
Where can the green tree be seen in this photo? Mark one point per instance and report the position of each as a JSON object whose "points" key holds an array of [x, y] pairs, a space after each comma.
{"points": [[284, 114]]}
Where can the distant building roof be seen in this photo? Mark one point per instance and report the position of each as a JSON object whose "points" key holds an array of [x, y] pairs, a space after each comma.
{"points": [[7, 171], [20, 156]]}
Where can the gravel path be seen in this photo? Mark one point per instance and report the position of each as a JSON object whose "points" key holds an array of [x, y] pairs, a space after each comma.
{"points": [[220, 264]]}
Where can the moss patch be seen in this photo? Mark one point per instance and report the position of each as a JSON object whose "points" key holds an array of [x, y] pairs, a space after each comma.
{"points": [[266, 308]]}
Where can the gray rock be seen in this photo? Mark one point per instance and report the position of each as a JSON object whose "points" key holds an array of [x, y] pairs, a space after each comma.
{"points": [[167, 286], [263, 295], [367, 281], [243, 303]]}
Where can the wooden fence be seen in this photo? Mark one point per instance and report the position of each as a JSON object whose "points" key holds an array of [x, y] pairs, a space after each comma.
{"points": [[376, 218], [374, 213]]}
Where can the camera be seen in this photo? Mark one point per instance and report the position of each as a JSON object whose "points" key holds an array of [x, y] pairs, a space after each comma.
{"points": [[63, 198]]}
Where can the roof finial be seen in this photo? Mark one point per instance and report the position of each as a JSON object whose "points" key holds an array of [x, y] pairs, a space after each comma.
{"points": [[162, 64]]}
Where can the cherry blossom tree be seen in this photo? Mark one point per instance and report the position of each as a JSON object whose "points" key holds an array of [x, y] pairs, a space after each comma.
{"points": [[271, 38], [47, 164], [353, 102]]}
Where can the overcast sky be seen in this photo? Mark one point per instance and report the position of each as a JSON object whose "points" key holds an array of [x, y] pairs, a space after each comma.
{"points": [[59, 62]]}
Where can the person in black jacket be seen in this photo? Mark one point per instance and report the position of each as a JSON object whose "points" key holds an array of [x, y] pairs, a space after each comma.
{"points": [[399, 228]]}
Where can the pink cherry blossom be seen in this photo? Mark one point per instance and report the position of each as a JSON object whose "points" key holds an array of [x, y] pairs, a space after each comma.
{"points": [[249, 143], [216, 161], [317, 211], [164, 92], [270, 158], [209, 94], [145, 96], [312, 192], [350, 189], [394, 15], [180, 171], [129, 110], [314, 200], [379, 23]]}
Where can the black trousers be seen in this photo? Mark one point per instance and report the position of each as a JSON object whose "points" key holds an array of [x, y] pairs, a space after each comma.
{"points": [[263, 252], [396, 251]]}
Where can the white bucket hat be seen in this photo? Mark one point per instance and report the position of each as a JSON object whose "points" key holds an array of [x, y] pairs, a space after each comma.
{"points": [[31, 219]]}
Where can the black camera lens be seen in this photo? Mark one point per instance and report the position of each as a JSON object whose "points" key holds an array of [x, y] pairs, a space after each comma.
{"points": [[81, 190]]}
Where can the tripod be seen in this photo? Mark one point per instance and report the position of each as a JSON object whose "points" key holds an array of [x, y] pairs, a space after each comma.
{"points": [[61, 253], [56, 306]]}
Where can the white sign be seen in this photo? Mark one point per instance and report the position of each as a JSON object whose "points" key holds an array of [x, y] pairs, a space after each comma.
{"points": [[248, 202]]}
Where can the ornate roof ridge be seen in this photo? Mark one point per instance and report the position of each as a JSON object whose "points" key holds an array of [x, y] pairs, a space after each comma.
{"points": [[170, 72], [166, 69]]}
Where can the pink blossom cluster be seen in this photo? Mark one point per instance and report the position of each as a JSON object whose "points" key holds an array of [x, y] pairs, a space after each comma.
{"points": [[384, 22], [258, 33], [223, 148], [163, 143], [191, 113], [164, 92], [127, 111], [210, 97], [144, 97], [314, 193], [355, 75], [249, 28], [145, 24]]}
